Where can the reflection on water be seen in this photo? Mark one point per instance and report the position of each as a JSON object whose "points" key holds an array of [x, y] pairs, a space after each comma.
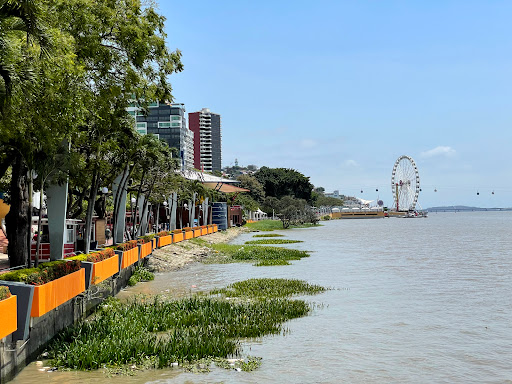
{"points": [[413, 300]]}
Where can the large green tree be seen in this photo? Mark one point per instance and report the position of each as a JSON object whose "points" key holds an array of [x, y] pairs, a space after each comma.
{"points": [[280, 182]]}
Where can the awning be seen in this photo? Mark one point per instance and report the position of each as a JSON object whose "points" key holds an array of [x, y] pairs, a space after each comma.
{"points": [[226, 188]]}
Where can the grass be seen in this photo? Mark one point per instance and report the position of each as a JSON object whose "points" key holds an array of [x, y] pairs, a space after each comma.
{"points": [[263, 256], [157, 333], [269, 235], [273, 241]]}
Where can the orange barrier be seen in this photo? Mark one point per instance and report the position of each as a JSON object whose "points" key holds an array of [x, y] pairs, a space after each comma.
{"points": [[177, 237], [50, 295], [130, 257], [8, 316], [102, 270], [164, 240], [146, 249]]}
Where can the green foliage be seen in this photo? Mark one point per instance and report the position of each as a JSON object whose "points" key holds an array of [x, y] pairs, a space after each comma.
{"points": [[140, 274], [45, 273], [265, 225], [326, 217], [324, 201], [257, 193], [273, 241], [4, 292], [157, 332], [280, 182], [234, 253], [145, 239], [126, 246], [94, 257], [269, 288], [269, 235]]}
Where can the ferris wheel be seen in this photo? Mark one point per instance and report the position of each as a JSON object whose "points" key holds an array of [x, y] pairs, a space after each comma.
{"points": [[405, 184]]}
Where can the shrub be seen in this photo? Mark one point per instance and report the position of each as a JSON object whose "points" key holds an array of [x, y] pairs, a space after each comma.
{"points": [[326, 217], [177, 231], [145, 239], [127, 246], [45, 273], [187, 229], [163, 233], [4, 292], [94, 257], [140, 274]]}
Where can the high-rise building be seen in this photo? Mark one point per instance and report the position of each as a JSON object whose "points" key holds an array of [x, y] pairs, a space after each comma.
{"points": [[207, 140], [168, 122]]}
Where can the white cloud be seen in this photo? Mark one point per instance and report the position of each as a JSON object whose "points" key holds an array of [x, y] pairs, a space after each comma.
{"points": [[439, 151], [350, 163]]}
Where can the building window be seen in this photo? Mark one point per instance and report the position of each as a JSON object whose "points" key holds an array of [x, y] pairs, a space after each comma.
{"points": [[164, 124], [176, 124], [154, 104], [142, 128], [176, 118]]}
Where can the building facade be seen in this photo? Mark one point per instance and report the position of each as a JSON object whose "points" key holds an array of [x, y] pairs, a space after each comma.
{"points": [[168, 122], [207, 140]]}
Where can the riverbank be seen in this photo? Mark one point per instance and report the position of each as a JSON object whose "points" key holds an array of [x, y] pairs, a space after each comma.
{"points": [[179, 255]]}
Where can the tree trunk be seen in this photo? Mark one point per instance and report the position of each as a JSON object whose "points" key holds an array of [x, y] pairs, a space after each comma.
{"points": [[39, 219], [30, 180], [90, 210], [17, 223]]}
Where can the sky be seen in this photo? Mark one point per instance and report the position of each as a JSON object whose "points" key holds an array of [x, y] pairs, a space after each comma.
{"points": [[338, 90]]}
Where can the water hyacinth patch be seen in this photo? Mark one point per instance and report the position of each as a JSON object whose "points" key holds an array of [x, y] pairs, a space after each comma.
{"points": [[269, 288], [273, 241], [159, 332], [269, 235], [229, 253], [140, 274]]}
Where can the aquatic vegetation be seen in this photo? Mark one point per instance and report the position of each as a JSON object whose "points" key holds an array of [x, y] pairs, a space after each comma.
{"points": [[269, 235], [158, 333], [230, 253], [140, 274], [273, 241], [269, 288], [272, 225]]}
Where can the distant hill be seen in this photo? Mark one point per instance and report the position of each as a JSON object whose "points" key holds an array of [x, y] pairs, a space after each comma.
{"points": [[464, 208]]}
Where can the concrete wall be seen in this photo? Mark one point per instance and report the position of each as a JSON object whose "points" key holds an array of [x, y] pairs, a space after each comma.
{"points": [[15, 356]]}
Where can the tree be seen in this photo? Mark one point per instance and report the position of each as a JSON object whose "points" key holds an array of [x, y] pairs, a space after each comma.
{"points": [[122, 46], [280, 182], [256, 193]]}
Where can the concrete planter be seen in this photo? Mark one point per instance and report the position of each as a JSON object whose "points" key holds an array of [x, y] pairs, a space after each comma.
{"points": [[8, 316], [50, 295], [164, 240], [128, 258], [95, 273], [177, 237], [145, 249]]}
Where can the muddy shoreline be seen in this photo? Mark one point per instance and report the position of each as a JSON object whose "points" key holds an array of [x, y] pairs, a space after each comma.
{"points": [[176, 256]]}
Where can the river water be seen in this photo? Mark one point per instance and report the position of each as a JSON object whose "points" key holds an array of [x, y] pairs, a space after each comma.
{"points": [[412, 300]]}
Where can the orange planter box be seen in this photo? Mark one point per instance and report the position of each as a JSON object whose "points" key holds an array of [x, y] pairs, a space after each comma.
{"points": [[8, 316], [102, 270], [204, 230], [189, 235], [210, 229], [197, 231], [215, 228], [164, 240], [50, 295], [130, 257], [177, 237], [146, 249]]}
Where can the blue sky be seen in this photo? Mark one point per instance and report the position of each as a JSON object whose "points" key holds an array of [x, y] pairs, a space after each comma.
{"points": [[338, 90]]}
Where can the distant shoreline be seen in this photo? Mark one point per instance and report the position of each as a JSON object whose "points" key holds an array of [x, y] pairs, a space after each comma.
{"points": [[457, 208]]}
